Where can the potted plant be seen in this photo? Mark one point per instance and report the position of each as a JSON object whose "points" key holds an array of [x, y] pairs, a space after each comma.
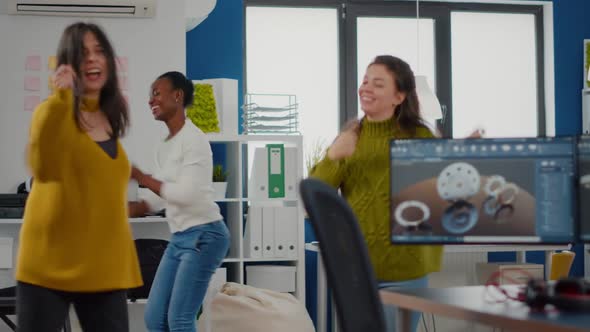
{"points": [[219, 181]]}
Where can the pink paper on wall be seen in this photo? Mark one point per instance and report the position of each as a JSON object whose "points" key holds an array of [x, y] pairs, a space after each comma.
{"points": [[122, 64], [33, 63], [31, 102], [32, 83], [123, 83]]}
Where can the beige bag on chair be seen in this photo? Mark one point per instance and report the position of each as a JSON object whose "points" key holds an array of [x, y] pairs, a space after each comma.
{"points": [[244, 308]]}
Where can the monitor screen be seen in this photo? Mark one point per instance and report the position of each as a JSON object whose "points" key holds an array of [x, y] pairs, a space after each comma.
{"points": [[584, 187], [517, 190]]}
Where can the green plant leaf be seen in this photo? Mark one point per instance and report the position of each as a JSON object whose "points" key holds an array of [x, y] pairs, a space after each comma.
{"points": [[219, 174]]}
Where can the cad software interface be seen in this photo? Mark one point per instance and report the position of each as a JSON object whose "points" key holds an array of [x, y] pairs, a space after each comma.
{"points": [[482, 190]]}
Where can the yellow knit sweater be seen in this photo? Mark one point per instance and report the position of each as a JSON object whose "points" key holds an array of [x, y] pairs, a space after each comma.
{"points": [[75, 234], [363, 179]]}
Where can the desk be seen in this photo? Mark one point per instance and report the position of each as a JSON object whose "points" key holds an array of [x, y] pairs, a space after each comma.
{"points": [[131, 220], [468, 303], [322, 299]]}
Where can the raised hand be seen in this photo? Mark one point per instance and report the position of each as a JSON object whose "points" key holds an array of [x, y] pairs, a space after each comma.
{"points": [[64, 77], [345, 144]]}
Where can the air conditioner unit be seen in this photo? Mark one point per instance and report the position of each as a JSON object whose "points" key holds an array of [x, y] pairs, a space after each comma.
{"points": [[82, 8]]}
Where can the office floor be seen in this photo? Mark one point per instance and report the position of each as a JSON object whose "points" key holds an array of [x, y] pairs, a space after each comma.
{"points": [[136, 323]]}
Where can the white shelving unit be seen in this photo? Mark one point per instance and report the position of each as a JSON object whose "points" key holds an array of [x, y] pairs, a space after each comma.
{"points": [[235, 206]]}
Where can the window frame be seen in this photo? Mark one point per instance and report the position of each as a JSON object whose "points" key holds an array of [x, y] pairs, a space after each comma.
{"points": [[349, 10]]}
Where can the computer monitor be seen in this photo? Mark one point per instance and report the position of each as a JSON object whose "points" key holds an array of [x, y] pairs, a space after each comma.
{"points": [[518, 190], [584, 187]]}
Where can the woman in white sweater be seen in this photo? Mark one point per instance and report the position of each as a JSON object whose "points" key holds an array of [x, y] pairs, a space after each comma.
{"points": [[182, 184]]}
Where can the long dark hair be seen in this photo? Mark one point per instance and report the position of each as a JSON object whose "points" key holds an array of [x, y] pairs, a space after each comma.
{"points": [[180, 82], [407, 113], [71, 52]]}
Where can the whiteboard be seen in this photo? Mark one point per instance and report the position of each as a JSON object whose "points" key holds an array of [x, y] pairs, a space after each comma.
{"points": [[149, 46]]}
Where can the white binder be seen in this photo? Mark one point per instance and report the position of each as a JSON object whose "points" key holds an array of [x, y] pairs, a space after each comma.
{"points": [[291, 177], [253, 233], [292, 230], [268, 232], [258, 183], [281, 232]]}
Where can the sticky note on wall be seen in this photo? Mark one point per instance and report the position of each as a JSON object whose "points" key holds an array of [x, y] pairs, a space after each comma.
{"points": [[123, 83], [32, 83], [31, 103], [33, 63], [52, 63]]}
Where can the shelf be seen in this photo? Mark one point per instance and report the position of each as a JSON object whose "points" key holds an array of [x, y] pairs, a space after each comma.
{"points": [[228, 200], [223, 138], [231, 260], [271, 259], [271, 201]]}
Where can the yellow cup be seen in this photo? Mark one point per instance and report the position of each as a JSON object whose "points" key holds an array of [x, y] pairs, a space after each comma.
{"points": [[561, 263]]}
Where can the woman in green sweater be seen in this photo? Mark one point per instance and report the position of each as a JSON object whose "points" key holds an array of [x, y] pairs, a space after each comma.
{"points": [[357, 163], [76, 245]]}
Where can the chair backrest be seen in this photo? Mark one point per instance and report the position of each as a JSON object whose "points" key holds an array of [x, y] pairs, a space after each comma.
{"points": [[149, 254], [345, 256]]}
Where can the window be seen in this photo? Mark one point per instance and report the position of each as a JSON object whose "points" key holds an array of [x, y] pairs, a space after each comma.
{"points": [[484, 73], [494, 79], [295, 51]]}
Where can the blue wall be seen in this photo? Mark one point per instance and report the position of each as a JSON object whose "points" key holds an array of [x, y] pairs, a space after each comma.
{"points": [[570, 27], [214, 49]]}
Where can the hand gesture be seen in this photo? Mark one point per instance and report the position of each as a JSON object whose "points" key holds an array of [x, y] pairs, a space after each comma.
{"points": [[136, 174], [477, 133], [345, 144], [64, 77]]}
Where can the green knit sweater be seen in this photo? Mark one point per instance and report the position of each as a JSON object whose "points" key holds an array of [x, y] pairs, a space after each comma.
{"points": [[363, 180]]}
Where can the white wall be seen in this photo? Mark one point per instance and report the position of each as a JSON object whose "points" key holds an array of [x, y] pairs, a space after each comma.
{"points": [[151, 45]]}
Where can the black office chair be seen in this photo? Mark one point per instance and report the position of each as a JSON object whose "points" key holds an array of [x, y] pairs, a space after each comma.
{"points": [[149, 254], [346, 261], [8, 308]]}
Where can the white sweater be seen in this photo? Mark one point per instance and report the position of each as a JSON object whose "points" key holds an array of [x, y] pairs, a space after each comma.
{"points": [[184, 164]]}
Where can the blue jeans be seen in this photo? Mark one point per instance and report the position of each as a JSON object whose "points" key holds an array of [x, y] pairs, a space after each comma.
{"points": [[180, 284], [390, 311]]}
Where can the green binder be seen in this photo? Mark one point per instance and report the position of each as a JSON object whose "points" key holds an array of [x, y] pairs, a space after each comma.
{"points": [[276, 170]]}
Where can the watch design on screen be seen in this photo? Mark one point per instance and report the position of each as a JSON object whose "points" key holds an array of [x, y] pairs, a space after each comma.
{"points": [[457, 183], [500, 196]]}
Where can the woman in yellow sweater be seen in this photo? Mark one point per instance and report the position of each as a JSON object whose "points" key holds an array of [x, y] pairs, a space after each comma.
{"points": [[76, 245], [357, 162]]}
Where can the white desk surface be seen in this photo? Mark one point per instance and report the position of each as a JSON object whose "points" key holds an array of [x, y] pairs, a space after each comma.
{"points": [[132, 220]]}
